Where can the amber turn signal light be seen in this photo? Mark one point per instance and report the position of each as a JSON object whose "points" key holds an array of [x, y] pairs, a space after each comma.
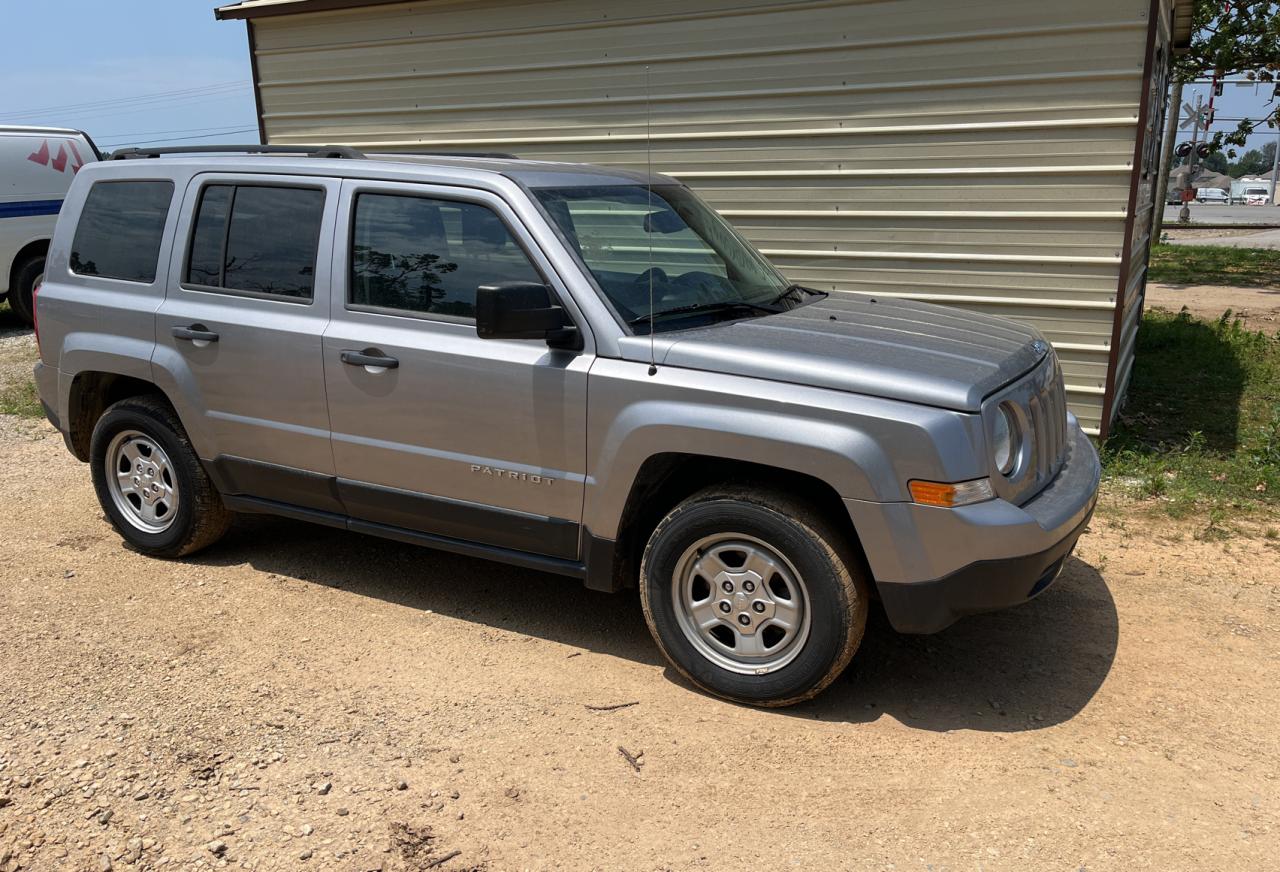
{"points": [[948, 496]]}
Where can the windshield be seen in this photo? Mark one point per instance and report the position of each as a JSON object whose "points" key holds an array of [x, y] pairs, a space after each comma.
{"points": [[701, 271]]}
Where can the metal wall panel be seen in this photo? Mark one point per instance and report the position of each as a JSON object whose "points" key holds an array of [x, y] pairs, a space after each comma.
{"points": [[976, 153]]}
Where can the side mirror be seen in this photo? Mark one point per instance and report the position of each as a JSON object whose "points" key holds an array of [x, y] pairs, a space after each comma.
{"points": [[523, 310]]}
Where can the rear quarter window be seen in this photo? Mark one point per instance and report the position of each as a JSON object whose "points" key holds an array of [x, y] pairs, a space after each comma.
{"points": [[120, 229]]}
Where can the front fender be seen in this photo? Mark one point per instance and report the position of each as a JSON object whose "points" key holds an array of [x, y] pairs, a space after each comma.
{"points": [[864, 447]]}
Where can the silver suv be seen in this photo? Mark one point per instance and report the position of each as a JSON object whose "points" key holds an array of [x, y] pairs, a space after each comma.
{"points": [[568, 368]]}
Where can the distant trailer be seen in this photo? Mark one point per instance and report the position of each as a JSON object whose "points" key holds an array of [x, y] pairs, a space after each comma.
{"points": [[1251, 191], [1000, 156], [36, 168]]}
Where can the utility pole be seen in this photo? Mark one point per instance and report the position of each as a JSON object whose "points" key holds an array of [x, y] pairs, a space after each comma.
{"points": [[1275, 176], [1166, 160]]}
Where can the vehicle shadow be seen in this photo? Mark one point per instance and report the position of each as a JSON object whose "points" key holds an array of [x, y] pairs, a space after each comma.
{"points": [[1188, 380], [10, 324], [1021, 669], [1024, 668], [537, 604]]}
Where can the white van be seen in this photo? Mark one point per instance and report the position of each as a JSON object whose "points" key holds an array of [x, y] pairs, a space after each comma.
{"points": [[37, 165]]}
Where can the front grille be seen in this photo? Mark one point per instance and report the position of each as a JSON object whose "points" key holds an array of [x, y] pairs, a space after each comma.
{"points": [[1043, 403], [1047, 409]]}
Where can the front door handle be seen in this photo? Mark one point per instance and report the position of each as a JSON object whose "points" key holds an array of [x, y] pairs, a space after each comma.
{"points": [[368, 358], [195, 333]]}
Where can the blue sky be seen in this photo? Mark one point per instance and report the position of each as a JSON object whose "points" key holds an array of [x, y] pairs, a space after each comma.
{"points": [[112, 68], [1237, 101]]}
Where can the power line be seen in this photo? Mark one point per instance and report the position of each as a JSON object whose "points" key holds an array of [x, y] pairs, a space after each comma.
{"points": [[168, 139], [126, 108], [76, 119], [156, 96], [131, 134]]}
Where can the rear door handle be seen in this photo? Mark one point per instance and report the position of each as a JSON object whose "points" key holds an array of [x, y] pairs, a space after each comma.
{"points": [[195, 333], [364, 358]]}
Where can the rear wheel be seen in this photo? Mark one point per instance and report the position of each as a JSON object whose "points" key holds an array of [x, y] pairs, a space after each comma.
{"points": [[753, 596], [26, 278], [150, 482]]}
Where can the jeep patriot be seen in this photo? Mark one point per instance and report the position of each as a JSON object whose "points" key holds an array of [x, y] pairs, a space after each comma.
{"points": [[574, 369]]}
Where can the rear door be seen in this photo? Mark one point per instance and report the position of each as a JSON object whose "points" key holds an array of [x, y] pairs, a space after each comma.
{"points": [[453, 435], [240, 332]]}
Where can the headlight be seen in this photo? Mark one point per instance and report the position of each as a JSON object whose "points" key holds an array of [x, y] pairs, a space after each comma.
{"points": [[1005, 440]]}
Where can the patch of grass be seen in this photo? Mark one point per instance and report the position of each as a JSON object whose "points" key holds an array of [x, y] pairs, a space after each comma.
{"points": [[20, 399], [1214, 265], [1201, 428], [17, 388]]}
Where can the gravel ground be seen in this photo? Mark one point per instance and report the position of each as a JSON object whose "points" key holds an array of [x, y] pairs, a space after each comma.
{"points": [[1228, 238], [302, 698], [298, 696], [1206, 213]]}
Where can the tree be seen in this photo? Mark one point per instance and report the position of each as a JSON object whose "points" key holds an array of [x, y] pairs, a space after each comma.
{"points": [[1235, 38], [1217, 162], [399, 281], [1255, 161]]}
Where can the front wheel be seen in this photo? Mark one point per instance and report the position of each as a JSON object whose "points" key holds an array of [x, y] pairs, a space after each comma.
{"points": [[150, 482], [753, 596]]}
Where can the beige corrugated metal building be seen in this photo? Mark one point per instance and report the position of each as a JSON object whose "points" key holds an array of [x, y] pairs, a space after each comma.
{"points": [[999, 155]]}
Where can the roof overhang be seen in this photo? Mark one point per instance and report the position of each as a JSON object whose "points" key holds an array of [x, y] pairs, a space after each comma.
{"points": [[265, 8], [1183, 16], [1183, 11]]}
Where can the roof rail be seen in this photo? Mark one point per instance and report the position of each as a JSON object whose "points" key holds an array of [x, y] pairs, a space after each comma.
{"points": [[336, 151], [499, 155]]}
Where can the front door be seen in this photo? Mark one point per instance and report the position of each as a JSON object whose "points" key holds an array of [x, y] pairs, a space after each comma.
{"points": [[435, 429], [240, 333]]}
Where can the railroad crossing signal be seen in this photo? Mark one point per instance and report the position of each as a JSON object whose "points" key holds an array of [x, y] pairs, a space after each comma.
{"points": [[1197, 116]]}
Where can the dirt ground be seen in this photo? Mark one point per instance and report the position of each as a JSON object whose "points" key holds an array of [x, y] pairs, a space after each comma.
{"points": [[1257, 308], [298, 698], [1229, 237], [1183, 234]]}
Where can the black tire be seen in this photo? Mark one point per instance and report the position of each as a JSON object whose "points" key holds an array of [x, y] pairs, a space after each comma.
{"points": [[819, 552], [200, 519], [22, 286]]}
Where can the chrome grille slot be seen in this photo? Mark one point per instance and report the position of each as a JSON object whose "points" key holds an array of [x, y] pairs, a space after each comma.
{"points": [[1041, 396], [1040, 456], [1051, 427]]}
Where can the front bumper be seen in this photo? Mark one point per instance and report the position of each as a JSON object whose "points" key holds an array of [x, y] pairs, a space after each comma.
{"points": [[934, 565]]}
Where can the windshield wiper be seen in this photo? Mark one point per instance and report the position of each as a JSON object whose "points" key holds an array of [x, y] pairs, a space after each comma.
{"points": [[791, 289], [699, 308]]}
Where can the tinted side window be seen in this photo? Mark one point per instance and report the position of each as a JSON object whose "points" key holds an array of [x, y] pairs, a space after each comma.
{"points": [[428, 256], [118, 235], [258, 239], [205, 264]]}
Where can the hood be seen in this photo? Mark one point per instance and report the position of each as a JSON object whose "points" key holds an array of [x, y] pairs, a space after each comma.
{"points": [[897, 349]]}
